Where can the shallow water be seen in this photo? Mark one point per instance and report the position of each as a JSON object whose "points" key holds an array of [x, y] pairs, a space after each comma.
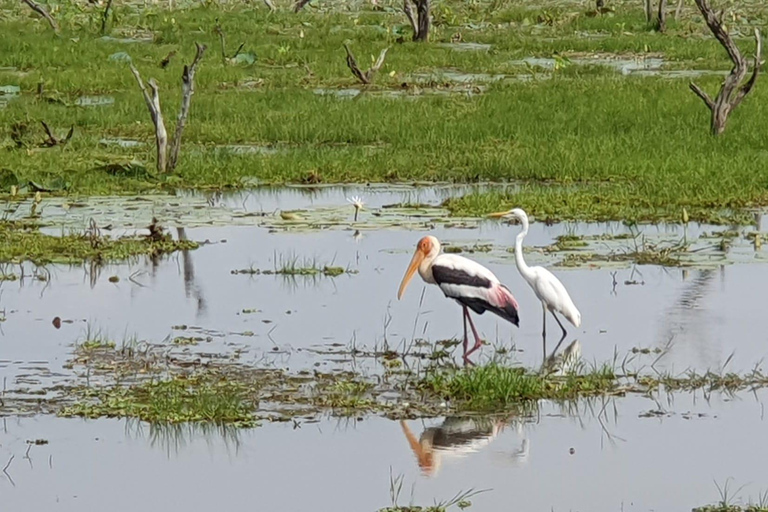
{"points": [[698, 316], [701, 317], [612, 456]]}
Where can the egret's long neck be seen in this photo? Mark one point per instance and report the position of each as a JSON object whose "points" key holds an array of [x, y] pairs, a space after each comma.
{"points": [[522, 266]]}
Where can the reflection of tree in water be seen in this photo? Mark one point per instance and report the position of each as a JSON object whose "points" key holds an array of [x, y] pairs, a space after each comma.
{"points": [[190, 287], [687, 324]]}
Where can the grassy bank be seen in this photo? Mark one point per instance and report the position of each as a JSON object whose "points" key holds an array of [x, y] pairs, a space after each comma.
{"points": [[584, 141]]}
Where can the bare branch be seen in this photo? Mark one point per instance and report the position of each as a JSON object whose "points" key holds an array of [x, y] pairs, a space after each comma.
{"points": [[715, 24], [52, 140], [703, 95], [679, 9], [661, 17], [188, 88], [105, 17], [42, 12], [744, 90], [367, 76], [153, 105], [732, 92], [220, 32], [352, 65], [269, 4], [300, 5], [409, 13]]}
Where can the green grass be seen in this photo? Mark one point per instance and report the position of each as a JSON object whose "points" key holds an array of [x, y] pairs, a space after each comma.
{"points": [[22, 242], [294, 266], [588, 144], [495, 387], [176, 400]]}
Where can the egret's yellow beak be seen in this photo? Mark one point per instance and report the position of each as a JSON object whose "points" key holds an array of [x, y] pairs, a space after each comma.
{"points": [[498, 215], [418, 257]]}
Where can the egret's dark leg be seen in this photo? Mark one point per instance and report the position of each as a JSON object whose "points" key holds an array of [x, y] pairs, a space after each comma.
{"points": [[466, 338], [478, 343], [544, 330], [565, 333]]}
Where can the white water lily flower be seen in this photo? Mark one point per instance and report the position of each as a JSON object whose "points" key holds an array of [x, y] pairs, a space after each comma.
{"points": [[357, 202]]}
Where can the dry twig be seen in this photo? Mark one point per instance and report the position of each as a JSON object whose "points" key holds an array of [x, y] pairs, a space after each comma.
{"points": [[732, 92], [42, 12], [299, 5], [188, 88], [105, 17], [366, 77], [52, 140]]}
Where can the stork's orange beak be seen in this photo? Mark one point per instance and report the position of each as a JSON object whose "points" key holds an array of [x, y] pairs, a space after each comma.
{"points": [[418, 257]]}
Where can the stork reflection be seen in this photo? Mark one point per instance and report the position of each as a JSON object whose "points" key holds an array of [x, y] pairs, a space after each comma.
{"points": [[456, 438]]}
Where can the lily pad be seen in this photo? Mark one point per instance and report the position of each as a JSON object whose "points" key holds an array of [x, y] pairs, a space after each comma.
{"points": [[244, 58], [54, 185], [8, 179], [120, 57]]}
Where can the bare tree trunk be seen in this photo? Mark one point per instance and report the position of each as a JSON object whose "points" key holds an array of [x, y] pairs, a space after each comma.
{"points": [[188, 89], [422, 8], [679, 9], [420, 24], [105, 17], [153, 105], [648, 10], [152, 99], [661, 18], [42, 12], [732, 92]]}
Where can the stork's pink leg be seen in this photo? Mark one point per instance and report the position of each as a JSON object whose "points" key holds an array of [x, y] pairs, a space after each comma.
{"points": [[466, 338], [478, 343]]}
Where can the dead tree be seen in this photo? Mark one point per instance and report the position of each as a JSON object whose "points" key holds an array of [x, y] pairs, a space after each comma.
{"points": [[166, 162], [299, 5], [420, 24], [732, 92], [661, 16], [658, 19], [366, 77], [42, 12], [52, 140], [222, 40], [105, 17]]}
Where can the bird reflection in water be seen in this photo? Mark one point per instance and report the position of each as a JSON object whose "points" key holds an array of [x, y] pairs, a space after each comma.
{"points": [[564, 362], [456, 438]]}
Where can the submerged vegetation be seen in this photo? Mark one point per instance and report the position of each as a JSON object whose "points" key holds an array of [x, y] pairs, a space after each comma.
{"points": [[24, 242], [198, 398]]}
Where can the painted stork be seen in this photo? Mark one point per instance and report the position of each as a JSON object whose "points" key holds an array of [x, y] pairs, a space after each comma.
{"points": [[548, 288], [463, 280]]}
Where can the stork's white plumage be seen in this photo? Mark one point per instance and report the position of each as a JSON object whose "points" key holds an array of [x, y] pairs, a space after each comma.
{"points": [[466, 281]]}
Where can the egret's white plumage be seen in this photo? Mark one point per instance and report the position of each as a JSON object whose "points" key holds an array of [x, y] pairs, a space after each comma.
{"points": [[548, 288]]}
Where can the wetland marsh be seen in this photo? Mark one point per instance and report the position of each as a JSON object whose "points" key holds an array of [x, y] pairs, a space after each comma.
{"points": [[229, 333]]}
